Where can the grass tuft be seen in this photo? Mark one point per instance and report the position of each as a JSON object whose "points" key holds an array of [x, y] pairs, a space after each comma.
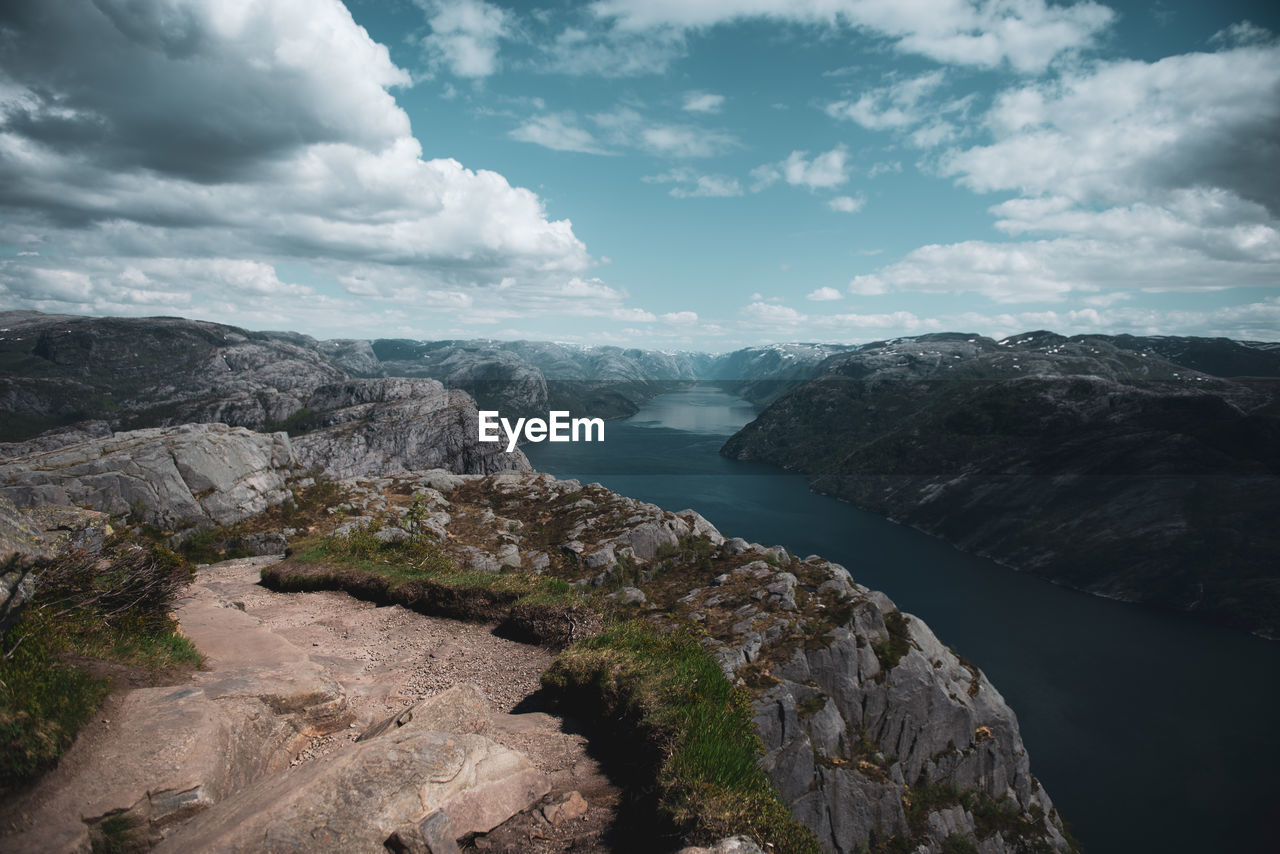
{"points": [[695, 729]]}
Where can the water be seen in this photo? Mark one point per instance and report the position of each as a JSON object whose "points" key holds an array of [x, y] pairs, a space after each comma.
{"points": [[1150, 731]]}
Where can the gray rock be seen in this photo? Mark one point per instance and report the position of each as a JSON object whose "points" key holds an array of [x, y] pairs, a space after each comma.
{"points": [[375, 427], [392, 535], [601, 559], [628, 596], [355, 799], [731, 845], [207, 474], [736, 546], [701, 527]]}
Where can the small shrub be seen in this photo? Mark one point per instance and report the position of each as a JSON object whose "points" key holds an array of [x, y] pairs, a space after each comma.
{"points": [[890, 651]]}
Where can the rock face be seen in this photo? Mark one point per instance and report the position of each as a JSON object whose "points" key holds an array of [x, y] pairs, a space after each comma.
{"points": [[158, 371], [206, 474], [873, 728], [376, 427], [215, 765], [1107, 468]]}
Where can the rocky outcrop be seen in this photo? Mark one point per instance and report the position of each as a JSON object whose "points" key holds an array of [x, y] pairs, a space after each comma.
{"points": [[876, 733], [221, 763], [1108, 468], [204, 474], [378, 427], [156, 371]]}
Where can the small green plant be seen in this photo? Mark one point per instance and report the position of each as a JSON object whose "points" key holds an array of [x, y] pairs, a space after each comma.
{"points": [[111, 606], [890, 651], [696, 730], [116, 834]]}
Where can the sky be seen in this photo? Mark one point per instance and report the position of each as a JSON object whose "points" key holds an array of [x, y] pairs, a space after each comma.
{"points": [[674, 174]]}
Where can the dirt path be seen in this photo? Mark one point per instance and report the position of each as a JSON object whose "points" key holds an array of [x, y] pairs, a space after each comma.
{"points": [[385, 659]]}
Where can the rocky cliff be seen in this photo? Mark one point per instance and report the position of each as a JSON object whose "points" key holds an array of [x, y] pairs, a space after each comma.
{"points": [[1106, 467], [386, 426], [877, 736], [149, 372], [203, 474]]}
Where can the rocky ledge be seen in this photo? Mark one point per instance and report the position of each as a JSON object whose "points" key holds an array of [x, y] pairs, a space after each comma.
{"points": [[876, 734]]}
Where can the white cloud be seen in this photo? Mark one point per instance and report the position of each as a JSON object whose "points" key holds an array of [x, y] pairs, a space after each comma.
{"points": [[464, 35], [685, 141], [610, 52], [626, 126], [703, 102], [772, 314], [824, 171], [559, 132], [846, 204], [690, 184], [1241, 33], [897, 105], [1127, 131], [228, 140], [1028, 34], [1138, 176], [680, 318], [1049, 270], [824, 295]]}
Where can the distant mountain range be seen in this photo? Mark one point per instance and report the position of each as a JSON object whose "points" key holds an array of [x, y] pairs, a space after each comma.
{"points": [[1138, 467], [1131, 467], [144, 372]]}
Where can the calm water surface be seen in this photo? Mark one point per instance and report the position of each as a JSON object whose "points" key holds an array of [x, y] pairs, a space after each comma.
{"points": [[1151, 732]]}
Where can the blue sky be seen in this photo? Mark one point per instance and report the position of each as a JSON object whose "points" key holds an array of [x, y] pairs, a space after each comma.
{"points": [[658, 173]]}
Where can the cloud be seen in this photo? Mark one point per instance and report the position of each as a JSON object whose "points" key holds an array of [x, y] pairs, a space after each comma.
{"points": [[824, 295], [703, 102], [897, 105], [558, 132], [826, 170], [1028, 35], [690, 184], [1126, 131], [680, 318], [464, 35], [1241, 33], [773, 314], [1134, 175], [211, 134], [625, 126], [846, 204], [609, 52], [1049, 270]]}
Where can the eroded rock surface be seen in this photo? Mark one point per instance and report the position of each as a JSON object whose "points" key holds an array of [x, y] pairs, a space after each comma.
{"points": [[259, 751], [387, 426], [208, 474], [873, 728]]}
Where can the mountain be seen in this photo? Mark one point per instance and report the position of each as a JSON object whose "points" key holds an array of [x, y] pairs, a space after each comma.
{"points": [[60, 370], [150, 372], [1096, 462]]}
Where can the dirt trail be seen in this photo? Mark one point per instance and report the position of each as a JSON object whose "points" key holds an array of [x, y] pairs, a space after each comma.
{"points": [[385, 659]]}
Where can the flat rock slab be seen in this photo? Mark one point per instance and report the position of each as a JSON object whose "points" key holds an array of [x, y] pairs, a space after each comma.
{"points": [[353, 800]]}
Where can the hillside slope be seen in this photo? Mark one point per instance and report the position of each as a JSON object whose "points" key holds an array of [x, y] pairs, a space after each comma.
{"points": [[1104, 467]]}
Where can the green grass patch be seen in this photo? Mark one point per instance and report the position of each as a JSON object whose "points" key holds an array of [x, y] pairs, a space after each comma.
{"points": [[112, 606], [695, 730], [116, 834], [419, 575], [890, 650]]}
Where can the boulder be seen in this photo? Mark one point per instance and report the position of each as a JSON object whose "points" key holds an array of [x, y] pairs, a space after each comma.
{"points": [[207, 474]]}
